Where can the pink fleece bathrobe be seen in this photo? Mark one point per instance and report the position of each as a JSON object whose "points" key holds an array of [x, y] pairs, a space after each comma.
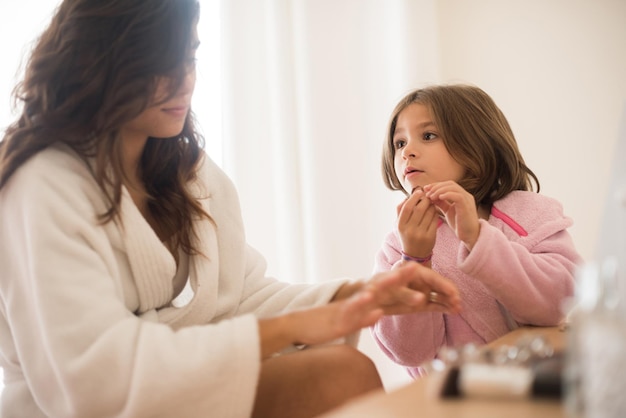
{"points": [[518, 273]]}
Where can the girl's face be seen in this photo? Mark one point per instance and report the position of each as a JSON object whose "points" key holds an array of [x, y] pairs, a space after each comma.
{"points": [[165, 119], [421, 156]]}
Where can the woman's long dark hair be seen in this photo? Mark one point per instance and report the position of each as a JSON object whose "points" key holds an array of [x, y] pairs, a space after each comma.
{"points": [[94, 69]]}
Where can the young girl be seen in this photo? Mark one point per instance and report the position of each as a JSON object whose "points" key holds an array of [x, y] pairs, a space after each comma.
{"points": [[126, 285], [470, 215]]}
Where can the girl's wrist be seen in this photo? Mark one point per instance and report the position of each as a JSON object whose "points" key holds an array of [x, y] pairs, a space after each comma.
{"points": [[471, 242], [420, 260]]}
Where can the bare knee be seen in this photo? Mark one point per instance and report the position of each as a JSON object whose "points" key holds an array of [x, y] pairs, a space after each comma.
{"points": [[313, 381], [355, 369]]}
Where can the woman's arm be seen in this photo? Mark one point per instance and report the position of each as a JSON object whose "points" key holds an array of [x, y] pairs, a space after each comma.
{"points": [[361, 304]]}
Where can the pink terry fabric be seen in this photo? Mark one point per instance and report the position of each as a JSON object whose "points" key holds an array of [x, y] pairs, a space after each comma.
{"points": [[518, 273]]}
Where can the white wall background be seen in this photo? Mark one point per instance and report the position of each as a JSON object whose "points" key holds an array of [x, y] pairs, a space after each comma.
{"points": [[23, 21]]}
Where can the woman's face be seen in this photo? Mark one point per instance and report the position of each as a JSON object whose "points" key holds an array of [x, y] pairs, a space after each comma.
{"points": [[166, 118]]}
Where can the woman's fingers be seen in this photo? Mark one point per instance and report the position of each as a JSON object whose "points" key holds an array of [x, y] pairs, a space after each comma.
{"points": [[404, 296], [359, 311], [426, 280], [407, 289]]}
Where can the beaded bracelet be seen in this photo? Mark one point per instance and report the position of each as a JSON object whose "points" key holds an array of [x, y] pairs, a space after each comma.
{"points": [[420, 260]]}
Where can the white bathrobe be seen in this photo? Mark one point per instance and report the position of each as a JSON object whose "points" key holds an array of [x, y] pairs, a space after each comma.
{"points": [[87, 324]]}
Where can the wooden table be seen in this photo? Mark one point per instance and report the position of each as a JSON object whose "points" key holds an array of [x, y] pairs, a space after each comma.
{"points": [[414, 399]]}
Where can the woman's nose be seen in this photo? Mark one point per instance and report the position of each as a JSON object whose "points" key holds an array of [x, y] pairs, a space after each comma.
{"points": [[189, 82]]}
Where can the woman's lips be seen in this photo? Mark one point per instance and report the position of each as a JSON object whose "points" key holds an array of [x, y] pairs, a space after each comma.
{"points": [[178, 111]]}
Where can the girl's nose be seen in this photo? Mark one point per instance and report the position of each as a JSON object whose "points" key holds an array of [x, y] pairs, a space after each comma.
{"points": [[408, 151]]}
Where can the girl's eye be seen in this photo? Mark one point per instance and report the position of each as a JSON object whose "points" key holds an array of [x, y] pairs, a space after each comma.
{"points": [[399, 144], [429, 136]]}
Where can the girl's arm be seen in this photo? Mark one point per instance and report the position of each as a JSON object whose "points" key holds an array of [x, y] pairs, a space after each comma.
{"points": [[410, 340], [529, 282]]}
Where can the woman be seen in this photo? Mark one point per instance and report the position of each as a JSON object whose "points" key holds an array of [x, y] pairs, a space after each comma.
{"points": [[126, 284]]}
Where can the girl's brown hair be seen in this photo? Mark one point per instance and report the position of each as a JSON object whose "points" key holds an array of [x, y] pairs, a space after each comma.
{"points": [[94, 69], [476, 134]]}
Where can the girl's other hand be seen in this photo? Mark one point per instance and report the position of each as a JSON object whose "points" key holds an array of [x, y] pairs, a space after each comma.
{"points": [[459, 208]]}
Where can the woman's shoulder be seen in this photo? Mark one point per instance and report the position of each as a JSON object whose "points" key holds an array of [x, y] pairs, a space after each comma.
{"points": [[52, 162], [56, 170]]}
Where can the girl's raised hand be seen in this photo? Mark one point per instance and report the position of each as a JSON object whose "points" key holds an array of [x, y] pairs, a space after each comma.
{"points": [[417, 224], [459, 208]]}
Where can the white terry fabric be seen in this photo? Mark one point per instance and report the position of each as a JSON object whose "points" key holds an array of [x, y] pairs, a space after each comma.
{"points": [[87, 327]]}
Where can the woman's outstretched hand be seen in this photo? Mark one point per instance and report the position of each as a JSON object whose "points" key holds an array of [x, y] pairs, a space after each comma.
{"points": [[406, 289]]}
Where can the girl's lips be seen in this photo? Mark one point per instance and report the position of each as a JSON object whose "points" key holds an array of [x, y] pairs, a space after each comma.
{"points": [[412, 173], [409, 169]]}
